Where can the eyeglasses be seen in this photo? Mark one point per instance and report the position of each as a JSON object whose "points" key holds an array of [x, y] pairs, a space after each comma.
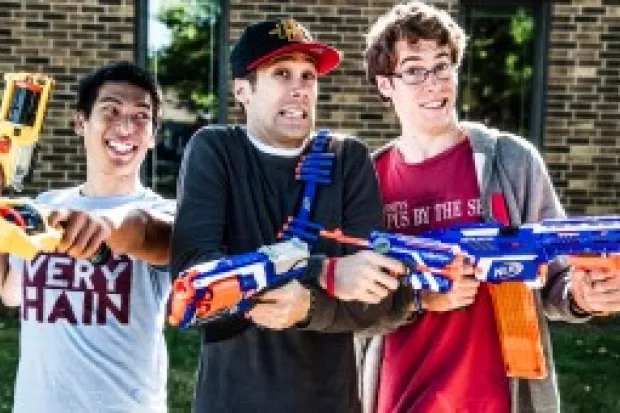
{"points": [[418, 75]]}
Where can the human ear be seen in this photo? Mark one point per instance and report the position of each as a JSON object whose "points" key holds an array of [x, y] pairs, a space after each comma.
{"points": [[78, 123], [385, 86]]}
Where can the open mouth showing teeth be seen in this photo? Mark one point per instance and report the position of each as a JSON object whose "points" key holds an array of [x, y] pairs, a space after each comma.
{"points": [[121, 147], [293, 113], [438, 104]]}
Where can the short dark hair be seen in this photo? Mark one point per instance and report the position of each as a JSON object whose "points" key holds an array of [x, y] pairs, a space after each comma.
{"points": [[123, 71]]}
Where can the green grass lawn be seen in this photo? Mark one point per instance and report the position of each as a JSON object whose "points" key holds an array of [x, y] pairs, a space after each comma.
{"points": [[587, 361], [587, 358]]}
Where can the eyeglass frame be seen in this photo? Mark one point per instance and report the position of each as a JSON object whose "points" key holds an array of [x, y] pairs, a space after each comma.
{"points": [[426, 73]]}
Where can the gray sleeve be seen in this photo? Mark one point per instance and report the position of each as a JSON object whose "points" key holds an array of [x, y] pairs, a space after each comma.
{"points": [[541, 203]]}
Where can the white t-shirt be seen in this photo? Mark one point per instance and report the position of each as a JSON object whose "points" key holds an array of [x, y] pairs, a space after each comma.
{"points": [[92, 337]]}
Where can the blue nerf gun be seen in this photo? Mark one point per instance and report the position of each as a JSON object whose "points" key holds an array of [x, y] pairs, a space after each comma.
{"points": [[498, 253], [522, 253], [224, 287], [512, 260]]}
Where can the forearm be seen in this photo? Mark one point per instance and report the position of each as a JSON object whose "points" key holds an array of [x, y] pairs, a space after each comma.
{"points": [[142, 234]]}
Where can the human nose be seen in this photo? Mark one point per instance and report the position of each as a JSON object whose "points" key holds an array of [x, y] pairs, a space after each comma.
{"points": [[300, 88], [125, 125], [432, 75]]}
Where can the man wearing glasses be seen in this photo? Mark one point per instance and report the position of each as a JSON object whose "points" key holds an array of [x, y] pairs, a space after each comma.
{"points": [[440, 173]]}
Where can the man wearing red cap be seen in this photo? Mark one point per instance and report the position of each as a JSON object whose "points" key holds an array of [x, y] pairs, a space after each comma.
{"points": [[237, 188]]}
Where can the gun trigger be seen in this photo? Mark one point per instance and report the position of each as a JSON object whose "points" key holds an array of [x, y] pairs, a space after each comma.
{"points": [[509, 230]]}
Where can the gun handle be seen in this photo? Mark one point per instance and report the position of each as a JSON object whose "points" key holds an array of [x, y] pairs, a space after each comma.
{"points": [[224, 294], [102, 256], [183, 293], [608, 264], [518, 330]]}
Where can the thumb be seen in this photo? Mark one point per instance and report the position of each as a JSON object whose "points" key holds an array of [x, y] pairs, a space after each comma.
{"points": [[57, 216]]}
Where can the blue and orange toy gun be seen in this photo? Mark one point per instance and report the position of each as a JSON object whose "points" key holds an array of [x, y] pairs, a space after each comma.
{"points": [[512, 261], [227, 286]]}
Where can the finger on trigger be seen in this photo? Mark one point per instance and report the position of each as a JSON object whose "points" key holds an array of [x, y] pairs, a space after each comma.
{"points": [[377, 290], [57, 216], [389, 264], [386, 280]]}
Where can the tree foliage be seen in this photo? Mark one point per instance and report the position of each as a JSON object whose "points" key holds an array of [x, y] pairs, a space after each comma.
{"points": [[188, 64], [498, 69]]}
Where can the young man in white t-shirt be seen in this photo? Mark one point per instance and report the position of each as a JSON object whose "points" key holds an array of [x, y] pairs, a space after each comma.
{"points": [[92, 335]]}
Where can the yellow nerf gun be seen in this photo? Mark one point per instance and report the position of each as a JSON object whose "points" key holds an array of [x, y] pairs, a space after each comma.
{"points": [[24, 231], [24, 104]]}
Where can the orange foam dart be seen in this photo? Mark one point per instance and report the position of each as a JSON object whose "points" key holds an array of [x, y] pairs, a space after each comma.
{"points": [[338, 236], [183, 293], [224, 293], [517, 326]]}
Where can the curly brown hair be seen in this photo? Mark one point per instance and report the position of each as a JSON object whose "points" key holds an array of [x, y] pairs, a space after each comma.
{"points": [[411, 21]]}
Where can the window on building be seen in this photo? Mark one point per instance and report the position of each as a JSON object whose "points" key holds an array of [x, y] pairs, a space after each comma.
{"points": [[503, 75], [179, 42]]}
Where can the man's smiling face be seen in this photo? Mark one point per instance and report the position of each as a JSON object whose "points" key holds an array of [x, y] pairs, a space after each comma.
{"points": [[430, 104], [119, 130]]}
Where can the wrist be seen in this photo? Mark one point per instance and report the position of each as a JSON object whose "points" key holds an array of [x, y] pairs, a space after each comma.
{"points": [[574, 306], [322, 281]]}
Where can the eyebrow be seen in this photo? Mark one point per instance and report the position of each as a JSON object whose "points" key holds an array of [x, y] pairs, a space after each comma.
{"points": [[415, 58], [116, 100]]}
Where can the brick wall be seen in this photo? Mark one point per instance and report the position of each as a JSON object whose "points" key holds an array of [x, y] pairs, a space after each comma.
{"points": [[583, 105], [68, 38], [65, 39]]}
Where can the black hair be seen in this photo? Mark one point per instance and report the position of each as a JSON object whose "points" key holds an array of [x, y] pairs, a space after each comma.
{"points": [[123, 71]]}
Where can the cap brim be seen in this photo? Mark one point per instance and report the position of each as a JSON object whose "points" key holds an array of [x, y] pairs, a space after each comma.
{"points": [[326, 57]]}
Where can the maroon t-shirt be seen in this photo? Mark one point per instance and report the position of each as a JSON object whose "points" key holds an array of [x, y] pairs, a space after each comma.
{"points": [[443, 362]]}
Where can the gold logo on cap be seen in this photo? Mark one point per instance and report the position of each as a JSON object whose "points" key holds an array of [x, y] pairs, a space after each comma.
{"points": [[290, 30]]}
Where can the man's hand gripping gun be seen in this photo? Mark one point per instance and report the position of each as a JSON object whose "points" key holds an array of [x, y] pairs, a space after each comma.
{"points": [[24, 231], [220, 288], [24, 104]]}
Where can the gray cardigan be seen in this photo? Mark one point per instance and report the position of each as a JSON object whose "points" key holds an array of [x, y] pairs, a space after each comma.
{"points": [[512, 166]]}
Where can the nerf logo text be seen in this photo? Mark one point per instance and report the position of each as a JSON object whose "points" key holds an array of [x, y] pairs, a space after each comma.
{"points": [[508, 271]]}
